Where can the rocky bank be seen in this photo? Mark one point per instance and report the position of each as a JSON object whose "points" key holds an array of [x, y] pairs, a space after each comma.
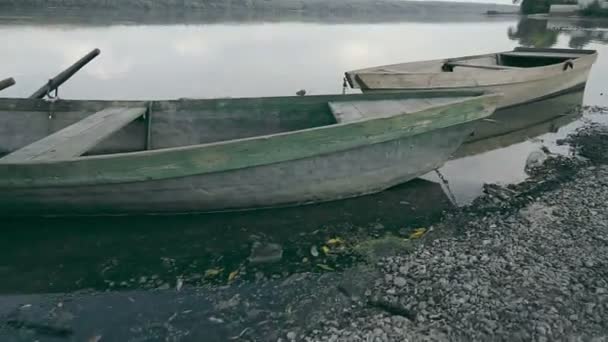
{"points": [[523, 263]]}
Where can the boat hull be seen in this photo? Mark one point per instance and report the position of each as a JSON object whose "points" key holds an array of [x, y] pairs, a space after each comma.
{"points": [[523, 92], [334, 176]]}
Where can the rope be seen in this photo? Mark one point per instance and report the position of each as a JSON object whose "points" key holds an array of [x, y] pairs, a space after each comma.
{"points": [[447, 186]]}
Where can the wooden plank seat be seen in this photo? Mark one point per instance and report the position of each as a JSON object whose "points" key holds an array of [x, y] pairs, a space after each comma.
{"points": [[349, 111], [450, 66], [78, 138]]}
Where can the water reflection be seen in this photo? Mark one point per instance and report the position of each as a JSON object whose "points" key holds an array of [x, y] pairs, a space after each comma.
{"points": [[57, 255], [533, 33], [513, 125], [213, 60], [543, 33], [497, 152]]}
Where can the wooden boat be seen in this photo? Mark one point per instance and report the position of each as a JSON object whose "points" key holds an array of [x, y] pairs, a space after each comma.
{"points": [[522, 75], [69, 157]]}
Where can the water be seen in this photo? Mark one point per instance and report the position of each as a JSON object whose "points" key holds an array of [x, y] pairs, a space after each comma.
{"points": [[262, 58]]}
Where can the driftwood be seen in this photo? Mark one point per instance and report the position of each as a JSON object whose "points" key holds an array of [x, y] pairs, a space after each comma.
{"points": [[7, 83], [65, 75]]}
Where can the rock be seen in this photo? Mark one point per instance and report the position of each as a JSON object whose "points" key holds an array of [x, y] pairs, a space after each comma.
{"points": [[399, 281], [535, 159], [291, 336], [541, 330], [265, 253], [377, 226]]}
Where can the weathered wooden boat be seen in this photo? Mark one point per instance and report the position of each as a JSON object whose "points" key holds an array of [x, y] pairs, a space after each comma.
{"points": [[521, 75], [69, 157]]}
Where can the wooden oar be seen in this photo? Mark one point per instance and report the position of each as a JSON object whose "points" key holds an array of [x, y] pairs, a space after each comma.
{"points": [[7, 83], [65, 75]]}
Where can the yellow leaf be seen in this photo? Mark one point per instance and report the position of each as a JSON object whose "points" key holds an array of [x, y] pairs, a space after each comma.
{"points": [[335, 241], [212, 272], [232, 275], [325, 267], [325, 249], [417, 233]]}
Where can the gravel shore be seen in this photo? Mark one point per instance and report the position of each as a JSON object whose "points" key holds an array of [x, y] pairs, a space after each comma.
{"points": [[527, 262]]}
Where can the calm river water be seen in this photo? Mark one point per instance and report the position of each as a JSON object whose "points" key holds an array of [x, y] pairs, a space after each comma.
{"points": [[236, 59]]}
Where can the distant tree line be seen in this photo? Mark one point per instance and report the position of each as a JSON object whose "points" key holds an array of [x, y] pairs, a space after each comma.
{"points": [[595, 9], [541, 6]]}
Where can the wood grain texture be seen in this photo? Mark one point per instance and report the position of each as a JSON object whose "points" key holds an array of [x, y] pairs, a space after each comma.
{"points": [[249, 152], [350, 111], [76, 139]]}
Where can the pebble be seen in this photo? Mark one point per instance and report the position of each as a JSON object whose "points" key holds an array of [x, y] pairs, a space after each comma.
{"points": [[399, 281], [265, 253]]}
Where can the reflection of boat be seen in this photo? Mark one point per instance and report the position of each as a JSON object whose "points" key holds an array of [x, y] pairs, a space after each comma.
{"points": [[522, 75], [120, 248], [223, 154], [512, 125]]}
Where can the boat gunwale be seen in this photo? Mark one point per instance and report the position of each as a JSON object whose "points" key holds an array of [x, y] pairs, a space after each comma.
{"points": [[354, 77], [153, 167], [60, 104]]}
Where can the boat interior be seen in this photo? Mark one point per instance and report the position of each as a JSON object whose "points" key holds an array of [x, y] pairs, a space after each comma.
{"points": [[34, 130]]}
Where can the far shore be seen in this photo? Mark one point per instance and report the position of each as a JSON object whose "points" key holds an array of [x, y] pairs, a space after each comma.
{"points": [[91, 12]]}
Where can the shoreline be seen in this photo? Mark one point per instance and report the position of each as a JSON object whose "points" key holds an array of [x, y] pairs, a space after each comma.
{"points": [[257, 10]]}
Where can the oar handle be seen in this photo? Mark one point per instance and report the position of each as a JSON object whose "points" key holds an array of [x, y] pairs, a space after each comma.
{"points": [[7, 83], [65, 75]]}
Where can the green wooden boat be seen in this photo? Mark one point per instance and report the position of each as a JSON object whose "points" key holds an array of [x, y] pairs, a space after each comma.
{"points": [[120, 157]]}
